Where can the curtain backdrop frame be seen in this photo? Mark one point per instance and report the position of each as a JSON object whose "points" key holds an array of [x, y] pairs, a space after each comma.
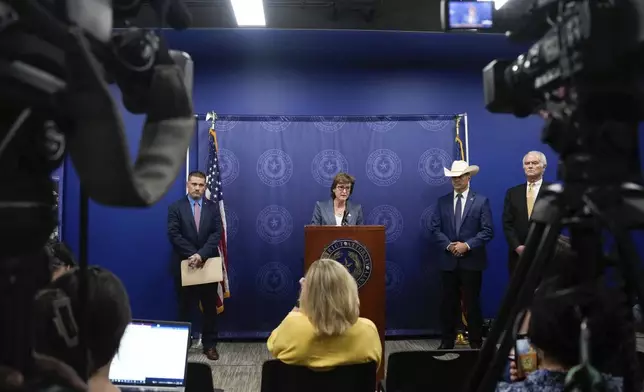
{"points": [[467, 137], [465, 125], [463, 116]]}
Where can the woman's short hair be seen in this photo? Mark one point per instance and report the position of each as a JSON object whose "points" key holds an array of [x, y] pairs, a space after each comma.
{"points": [[556, 314], [57, 315], [330, 297], [342, 178]]}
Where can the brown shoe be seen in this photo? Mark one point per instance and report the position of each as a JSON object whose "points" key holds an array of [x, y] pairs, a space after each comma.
{"points": [[211, 353]]}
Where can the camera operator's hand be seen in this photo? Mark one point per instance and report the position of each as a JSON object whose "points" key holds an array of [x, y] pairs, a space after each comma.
{"points": [[50, 370], [10, 380], [514, 372]]}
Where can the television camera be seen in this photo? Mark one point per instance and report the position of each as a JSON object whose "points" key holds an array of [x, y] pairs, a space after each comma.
{"points": [[57, 58], [583, 74]]}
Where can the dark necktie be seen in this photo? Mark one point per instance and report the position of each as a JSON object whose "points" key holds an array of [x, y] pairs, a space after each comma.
{"points": [[458, 212]]}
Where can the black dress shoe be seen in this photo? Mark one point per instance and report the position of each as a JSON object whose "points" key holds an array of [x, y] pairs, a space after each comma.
{"points": [[446, 345], [211, 353]]}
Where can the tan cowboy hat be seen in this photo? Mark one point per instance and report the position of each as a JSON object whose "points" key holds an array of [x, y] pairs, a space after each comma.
{"points": [[459, 168]]}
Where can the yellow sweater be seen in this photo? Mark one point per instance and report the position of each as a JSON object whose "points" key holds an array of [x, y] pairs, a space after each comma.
{"points": [[294, 342]]}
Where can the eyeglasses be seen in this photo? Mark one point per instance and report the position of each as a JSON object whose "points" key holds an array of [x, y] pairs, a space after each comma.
{"points": [[343, 187]]}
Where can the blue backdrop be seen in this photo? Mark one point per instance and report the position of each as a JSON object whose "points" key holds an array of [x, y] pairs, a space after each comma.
{"points": [[275, 168], [325, 73]]}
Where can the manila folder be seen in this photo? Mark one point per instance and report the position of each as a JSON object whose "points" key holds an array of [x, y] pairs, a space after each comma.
{"points": [[211, 272]]}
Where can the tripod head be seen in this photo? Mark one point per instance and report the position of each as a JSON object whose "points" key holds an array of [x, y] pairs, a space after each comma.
{"points": [[600, 194], [584, 78]]}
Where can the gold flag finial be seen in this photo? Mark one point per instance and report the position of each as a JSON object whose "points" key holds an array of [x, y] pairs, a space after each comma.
{"points": [[458, 140]]}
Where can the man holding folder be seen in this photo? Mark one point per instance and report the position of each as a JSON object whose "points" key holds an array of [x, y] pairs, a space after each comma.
{"points": [[194, 229]]}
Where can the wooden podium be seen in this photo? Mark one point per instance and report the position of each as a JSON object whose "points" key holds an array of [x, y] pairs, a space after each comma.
{"points": [[371, 288]]}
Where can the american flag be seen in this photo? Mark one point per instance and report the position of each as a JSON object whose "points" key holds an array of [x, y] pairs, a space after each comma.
{"points": [[215, 194]]}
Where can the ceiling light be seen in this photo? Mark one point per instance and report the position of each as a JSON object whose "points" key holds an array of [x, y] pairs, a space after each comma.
{"points": [[499, 3], [249, 12]]}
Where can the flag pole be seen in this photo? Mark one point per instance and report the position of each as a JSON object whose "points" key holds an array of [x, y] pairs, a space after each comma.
{"points": [[462, 336], [467, 137], [223, 289], [187, 163]]}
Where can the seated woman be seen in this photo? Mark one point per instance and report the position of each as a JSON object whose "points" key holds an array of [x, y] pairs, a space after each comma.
{"points": [[554, 331], [326, 330], [337, 211], [56, 322]]}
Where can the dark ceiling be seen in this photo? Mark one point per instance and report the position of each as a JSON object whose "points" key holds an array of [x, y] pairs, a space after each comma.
{"points": [[401, 15]]}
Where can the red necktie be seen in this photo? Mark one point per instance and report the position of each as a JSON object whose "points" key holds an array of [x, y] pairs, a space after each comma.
{"points": [[197, 215]]}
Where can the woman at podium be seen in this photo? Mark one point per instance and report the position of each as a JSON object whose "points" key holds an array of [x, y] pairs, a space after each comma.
{"points": [[338, 211]]}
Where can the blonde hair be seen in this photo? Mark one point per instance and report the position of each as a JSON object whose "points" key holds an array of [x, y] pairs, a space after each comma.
{"points": [[329, 298]]}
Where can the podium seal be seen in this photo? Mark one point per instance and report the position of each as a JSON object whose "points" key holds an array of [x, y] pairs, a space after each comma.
{"points": [[354, 256]]}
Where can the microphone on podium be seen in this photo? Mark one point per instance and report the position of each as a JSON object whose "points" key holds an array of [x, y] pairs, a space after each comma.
{"points": [[344, 217]]}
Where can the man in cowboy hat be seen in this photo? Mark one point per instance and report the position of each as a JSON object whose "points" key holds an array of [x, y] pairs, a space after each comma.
{"points": [[461, 226]]}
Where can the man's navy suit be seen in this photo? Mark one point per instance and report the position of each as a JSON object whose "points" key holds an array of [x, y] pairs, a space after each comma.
{"points": [[186, 241], [476, 230]]}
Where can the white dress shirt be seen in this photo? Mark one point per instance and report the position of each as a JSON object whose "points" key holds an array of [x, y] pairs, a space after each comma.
{"points": [[535, 187]]}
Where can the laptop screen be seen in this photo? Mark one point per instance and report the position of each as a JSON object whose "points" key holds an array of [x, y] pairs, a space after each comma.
{"points": [[152, 353]]}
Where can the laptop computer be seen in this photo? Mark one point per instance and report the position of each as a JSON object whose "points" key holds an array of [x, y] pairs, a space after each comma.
{"points": [[153, 356]]}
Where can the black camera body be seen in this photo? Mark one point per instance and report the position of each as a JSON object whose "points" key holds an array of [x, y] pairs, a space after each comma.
{"points": [[583, 74], [57, 58], [596, 46], [55, 55]]}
